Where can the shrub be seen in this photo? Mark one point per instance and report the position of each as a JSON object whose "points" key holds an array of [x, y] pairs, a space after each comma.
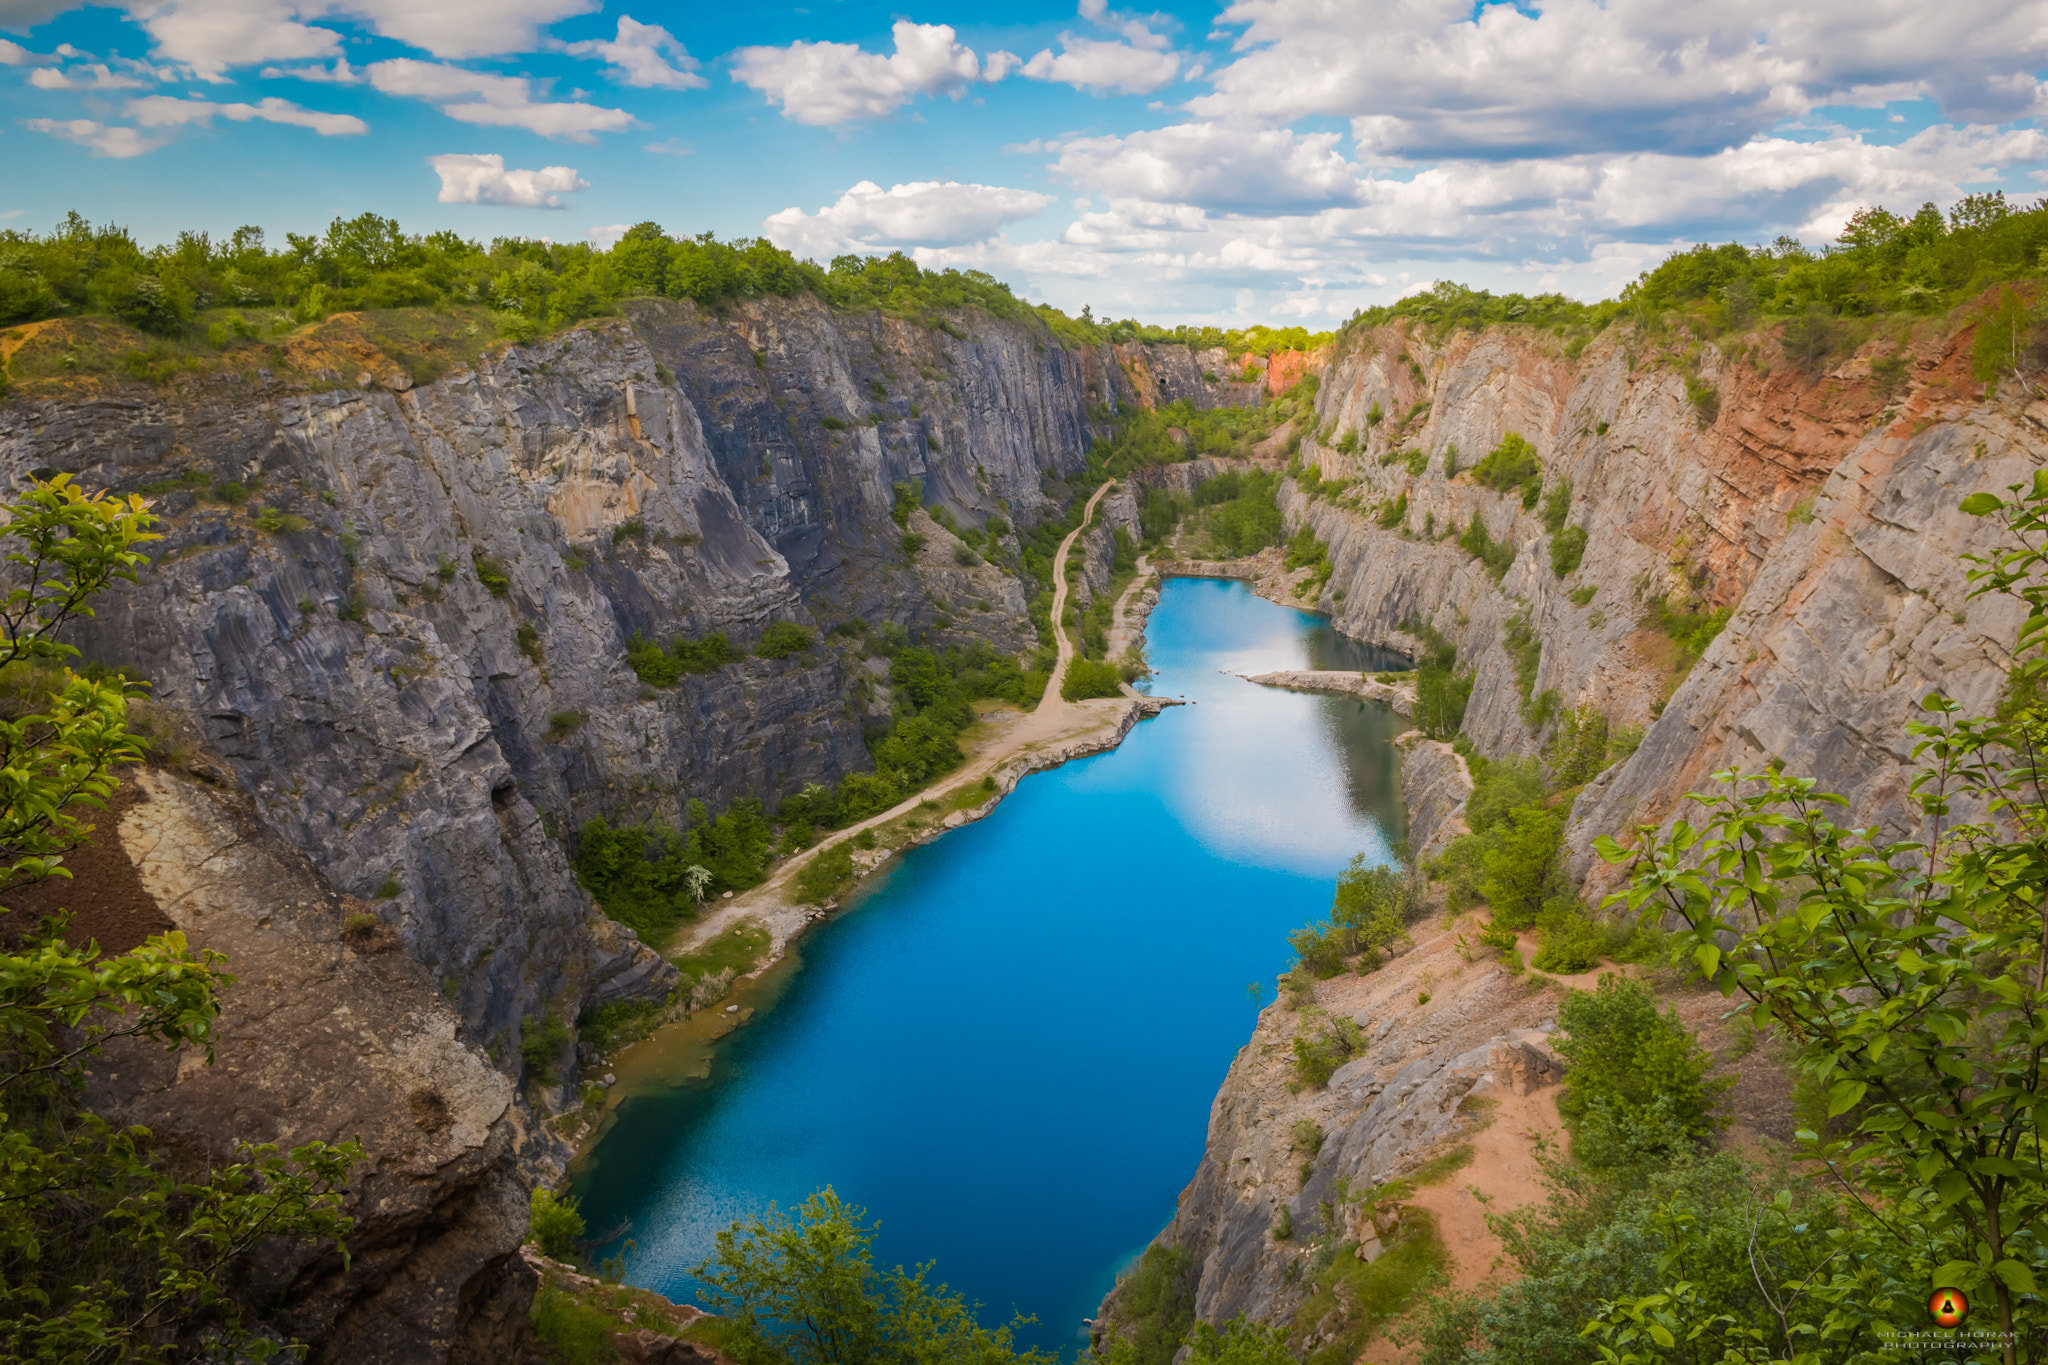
{"points": [[1582, 595], [1557, 506], [904, 502], [651, 877], [1705, 399], [491, 574], [1511, 465], [1581, 748], [527, 637], [1497, 556], [1395, 513], [563, 724], [2001, 327], [556, 1224], [1567, 550], [1631, 1065], [278, 523], [1692, 631], [632, 529], [542, 1043], [1087, 678], [1808, 338], [1318, 1054], [360, 927], [783, 638], [912, 542]]}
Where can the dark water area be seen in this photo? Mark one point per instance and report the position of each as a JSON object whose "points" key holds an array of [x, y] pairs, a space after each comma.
{"points": [[1006, 1046]]}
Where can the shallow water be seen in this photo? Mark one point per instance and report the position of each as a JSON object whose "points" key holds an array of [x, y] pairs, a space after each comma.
{"points": [[1006, 1046]]}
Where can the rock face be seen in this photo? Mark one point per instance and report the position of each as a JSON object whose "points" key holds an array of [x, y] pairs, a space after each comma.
{"points": [[1818, 510], [326, 1040], [420, 677]]}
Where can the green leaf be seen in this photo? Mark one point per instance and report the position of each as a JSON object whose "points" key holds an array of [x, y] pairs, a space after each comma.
{"points": [[1662, 1334], [1981, 505], [2017, 1276], [1954, 1275], [1845, 1095]]}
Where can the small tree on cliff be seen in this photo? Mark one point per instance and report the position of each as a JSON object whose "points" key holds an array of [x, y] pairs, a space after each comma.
{"points": [[1914, 979], [105, 1254]]}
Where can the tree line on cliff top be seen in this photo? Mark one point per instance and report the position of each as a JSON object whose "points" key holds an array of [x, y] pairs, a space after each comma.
{"points": [[1883, 262]]}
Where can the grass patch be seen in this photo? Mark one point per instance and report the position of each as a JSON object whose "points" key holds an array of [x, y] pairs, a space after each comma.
{"points": [[1352, 1299], [825, 875], [740, 948]]}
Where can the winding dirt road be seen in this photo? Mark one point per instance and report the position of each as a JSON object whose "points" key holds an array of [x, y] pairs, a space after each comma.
{"points": [[1056, 721]]}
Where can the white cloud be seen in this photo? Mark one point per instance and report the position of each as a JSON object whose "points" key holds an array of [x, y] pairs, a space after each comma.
{"points": [[211, 36], [670, 146], [483, 179], [103, 140], [493, 101], [465, 28], [644, 55], [1102, 68], [1430, 78], [341, 73], [929, 213], [167, 111], [14, 54], [88, 76], [1215, 166], [608, 235], [830, 83]]}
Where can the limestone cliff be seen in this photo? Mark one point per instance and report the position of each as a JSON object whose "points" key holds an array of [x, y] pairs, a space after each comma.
{"points": [[1820, 509], [394, 613]]}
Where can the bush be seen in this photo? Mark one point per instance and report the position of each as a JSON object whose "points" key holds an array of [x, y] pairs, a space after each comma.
{"points": [[1808, 338], [1705, 399], [660, 667], [556, 1224], [1497, 556], [1557, 505], [651, 878], [541, 1044], [563, 724], [1244, 513], [1318, 1054], [783, 638], [1087, 678], [1580, 751], [1567, 549], [1395, 513], [784, 1282], [492, 575], [1512, 465], [1637, 1065]]}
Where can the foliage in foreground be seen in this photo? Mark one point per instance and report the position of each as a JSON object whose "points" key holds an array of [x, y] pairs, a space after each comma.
{"points": [[109, 1247], [1909, 977], [802, 1288]]}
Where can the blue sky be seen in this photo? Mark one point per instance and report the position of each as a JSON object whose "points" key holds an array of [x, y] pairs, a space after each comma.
{"points": [[1268, 160]]}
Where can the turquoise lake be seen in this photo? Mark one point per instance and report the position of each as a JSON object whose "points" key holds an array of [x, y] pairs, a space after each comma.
{"points": [[1005, 1047]]}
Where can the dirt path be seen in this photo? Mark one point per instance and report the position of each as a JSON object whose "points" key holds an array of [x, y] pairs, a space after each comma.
{"points": [[1057, 721]]}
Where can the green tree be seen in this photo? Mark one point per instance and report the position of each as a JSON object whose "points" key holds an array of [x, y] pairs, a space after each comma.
{"points": [[1913, 977], [105, 1253], [1636, 1074], [805, 1290]]}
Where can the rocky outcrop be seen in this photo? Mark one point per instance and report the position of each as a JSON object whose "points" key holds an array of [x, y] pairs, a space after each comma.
{"points": [[1434, 784], [332, 1039], [1258, 1206], [1818, 509]]}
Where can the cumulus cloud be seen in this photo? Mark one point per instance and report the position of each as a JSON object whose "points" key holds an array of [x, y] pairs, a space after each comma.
{"points": [[493, 101], [469, 178], [341, 73], [1103, 68], [210, 36], [645, 55], [1214, 166], [823, 84], [1137, 65], [168, 111], [14, 54], [1434, 78], [608, 235], [103, 140], [927, 213], [86, 76]]}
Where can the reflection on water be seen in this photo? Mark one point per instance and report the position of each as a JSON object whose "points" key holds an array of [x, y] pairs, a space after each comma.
{"points": [[1006, 1047]]}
